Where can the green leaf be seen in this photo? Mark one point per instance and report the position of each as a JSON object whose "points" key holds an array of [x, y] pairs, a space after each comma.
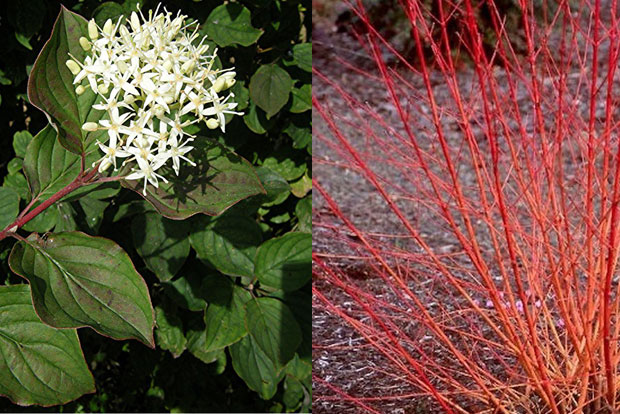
{"points": [[303, 211], [21, 139], [95, 191], [162, 243], [66, 221], [196, 346], [242, 95], [48, 166], [280, 218], [131, 209], [285, 262], [186, 290], [229, 244], [278, 189], [256, 120], [274, 328], [3, 79], [230, 24], [43, 222], [107, 10], [51, 89], [93, 212], [298, 369], [270, 88], [23, 40], [220, 179], [17, 182], [79, 280], [302, 54], [300, 303], [169, 332], [225, 315], [254, 367], [301, 187], [302, 137], [38, 364], [15, 165], [9, 207], [301, 99], [293, 392], [218, 366], [285, 162]]}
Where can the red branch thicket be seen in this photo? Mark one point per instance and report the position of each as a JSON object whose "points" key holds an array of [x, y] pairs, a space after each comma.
{"points": [[466, 217]]}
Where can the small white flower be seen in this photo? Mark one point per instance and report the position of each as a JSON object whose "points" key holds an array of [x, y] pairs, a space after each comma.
{"points": [[137, 129], [146, 169], [155, 78], [115, 125], [111, 151], [219, 109], [154, 93], [177, 152]]}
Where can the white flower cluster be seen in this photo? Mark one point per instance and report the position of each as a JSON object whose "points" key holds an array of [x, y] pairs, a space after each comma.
{"points": [[154, 78]]}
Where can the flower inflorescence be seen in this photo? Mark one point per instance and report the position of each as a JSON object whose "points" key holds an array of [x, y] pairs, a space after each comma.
{"points": [[155, 78]]}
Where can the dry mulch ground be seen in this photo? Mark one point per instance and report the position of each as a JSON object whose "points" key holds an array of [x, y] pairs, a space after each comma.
{"points": [[340, 356]]}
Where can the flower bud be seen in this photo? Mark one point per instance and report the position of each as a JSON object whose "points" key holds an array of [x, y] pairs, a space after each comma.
{"points": [[90, 126], [187, 66], [159, 111], [175, 26], [212, 123], [167, 65], [92, 30], [73, 67], [135, 22], [80, 90], [85, 43], [105, 164], [123, 31], [108, 27], [103, 89], [122, 66], [230, 82], [202, 49], [129, 99], [219, 84]]}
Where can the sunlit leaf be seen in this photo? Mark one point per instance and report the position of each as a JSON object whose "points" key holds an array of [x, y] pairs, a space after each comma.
{"points": [[225, 314], [21, 139], [230, 24], [270, 87], [254, 367], [274, 328], [51, 89]]}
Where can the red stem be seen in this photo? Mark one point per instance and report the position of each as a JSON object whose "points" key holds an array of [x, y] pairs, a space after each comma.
{"points": [[81, 180]]}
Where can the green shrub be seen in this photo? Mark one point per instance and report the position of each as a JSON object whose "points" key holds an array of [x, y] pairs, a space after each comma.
{"points": [[209, 271]]}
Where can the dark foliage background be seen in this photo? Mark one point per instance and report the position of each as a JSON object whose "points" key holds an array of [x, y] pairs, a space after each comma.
{"points": [[130, 376]]}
